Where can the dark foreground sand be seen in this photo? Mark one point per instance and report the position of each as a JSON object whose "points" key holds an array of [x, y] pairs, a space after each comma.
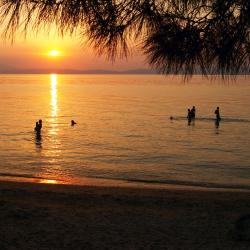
{"points": [[36, 216]]}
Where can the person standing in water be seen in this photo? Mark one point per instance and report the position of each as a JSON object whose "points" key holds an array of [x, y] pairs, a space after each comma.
{"points": [[193, 112], [37, 128], [189, 115], [217, 113]]}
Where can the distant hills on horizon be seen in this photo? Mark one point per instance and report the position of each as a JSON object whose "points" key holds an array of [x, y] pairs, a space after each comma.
{"points": [[76, 71], [143, 71]]}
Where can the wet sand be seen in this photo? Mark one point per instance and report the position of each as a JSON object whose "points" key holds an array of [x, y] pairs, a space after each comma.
{"points": [[42, 216]]}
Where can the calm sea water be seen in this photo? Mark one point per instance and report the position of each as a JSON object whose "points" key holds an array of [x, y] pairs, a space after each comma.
{"points": [[123, 129]]}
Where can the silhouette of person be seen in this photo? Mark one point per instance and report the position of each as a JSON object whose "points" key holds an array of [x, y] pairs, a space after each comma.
{"points": [[189, 115], [193, 112], [38, 137], [73, 123], [40, 124], [217, 113], [37, 128]]}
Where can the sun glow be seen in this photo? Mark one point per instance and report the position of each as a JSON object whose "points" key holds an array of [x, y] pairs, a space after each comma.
{"points": [[47, 181], [54, 53]]}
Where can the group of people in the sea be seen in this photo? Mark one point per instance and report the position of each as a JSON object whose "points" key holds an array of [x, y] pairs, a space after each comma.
{"points": [[39, 125], [191, 114]]}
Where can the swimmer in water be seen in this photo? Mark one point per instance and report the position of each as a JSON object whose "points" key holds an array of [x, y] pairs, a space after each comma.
{"points": [[73, 123]]}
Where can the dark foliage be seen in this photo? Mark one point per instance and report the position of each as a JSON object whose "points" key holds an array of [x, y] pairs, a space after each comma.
{"points": [[177, 36]]}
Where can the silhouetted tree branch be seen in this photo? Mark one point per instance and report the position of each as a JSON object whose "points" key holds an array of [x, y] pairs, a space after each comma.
{"points": [[177, 36]]}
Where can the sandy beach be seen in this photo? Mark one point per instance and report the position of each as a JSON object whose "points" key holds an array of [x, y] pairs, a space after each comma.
{"points": [[42, 216]]}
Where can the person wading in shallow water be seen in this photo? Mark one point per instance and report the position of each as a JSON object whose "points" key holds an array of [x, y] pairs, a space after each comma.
{"points": [[189, 115], [192, 112], [39, 126], [217, 113]]}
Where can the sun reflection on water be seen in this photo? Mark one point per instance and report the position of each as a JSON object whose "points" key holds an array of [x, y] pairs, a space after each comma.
{"points": [[53, 93], [53, 149], [53, 105]]}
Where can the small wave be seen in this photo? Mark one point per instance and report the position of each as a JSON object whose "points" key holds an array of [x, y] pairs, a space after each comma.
{"points": [[58, 116], [26, 176], [180, 183], [134, 136]]}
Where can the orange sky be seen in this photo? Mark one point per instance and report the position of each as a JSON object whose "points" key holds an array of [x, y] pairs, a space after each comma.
{"points": [[32, 53]]}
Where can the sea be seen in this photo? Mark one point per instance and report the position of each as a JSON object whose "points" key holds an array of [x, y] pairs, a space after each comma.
{"points": [[124, 132]]}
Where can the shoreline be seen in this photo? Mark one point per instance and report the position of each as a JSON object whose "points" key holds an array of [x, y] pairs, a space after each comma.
{"points": [[140, 184], [46, 216]]}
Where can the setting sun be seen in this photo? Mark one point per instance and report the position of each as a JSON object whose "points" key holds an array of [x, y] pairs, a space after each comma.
{"points": [[54, 53]]}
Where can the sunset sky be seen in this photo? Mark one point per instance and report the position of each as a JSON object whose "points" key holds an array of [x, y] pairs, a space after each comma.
{"points": [[34, 52]]}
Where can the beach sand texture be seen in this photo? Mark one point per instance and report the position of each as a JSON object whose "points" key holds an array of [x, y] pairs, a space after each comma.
{"points": [[39, 216]]}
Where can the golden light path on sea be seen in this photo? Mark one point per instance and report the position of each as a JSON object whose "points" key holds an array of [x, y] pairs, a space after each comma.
{"points": [[52, 168], [53, 94]]}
